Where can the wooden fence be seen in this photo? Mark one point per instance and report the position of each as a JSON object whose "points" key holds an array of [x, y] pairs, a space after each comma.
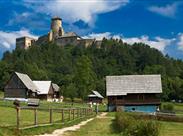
{"points": [[63, 115]]}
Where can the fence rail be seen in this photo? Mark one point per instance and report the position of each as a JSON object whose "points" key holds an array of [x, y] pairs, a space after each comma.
{"points": [[63, 115]]}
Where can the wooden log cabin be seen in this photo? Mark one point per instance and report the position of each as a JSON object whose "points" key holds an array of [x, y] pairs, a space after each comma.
{"points": [[20, 86], [95, 97], [134, 92], [45, 90]]}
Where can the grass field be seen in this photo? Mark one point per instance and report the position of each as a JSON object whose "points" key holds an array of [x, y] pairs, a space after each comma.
{"points": [[97, 127], [1, 94], [8, 118], [10, 131], [103, 127]]}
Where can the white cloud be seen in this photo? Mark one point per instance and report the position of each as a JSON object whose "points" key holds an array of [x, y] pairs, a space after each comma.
{"points": [[98, 36], [167, 11], [7, 39], [158, 42], [72, 11], [19, 18], [180, 41]]}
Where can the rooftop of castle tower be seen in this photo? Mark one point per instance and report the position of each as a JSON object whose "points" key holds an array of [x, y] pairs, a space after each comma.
{"points": [[56, 18]]}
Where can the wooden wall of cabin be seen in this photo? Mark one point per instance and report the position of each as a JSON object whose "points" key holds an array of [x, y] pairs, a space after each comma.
{"points": [[15, 88], [15, 93], [134, 98], [50, 93], [48, 96], [42, 96], [94, 100]]}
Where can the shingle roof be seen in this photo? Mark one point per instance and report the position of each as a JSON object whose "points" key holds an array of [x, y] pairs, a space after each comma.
{"points": [[122, 85], [43, 86], [95, 94], [55, 87], [27, 81]]}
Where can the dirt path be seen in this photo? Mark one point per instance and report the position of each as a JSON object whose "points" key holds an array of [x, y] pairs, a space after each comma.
{"points": [[60, 132]]}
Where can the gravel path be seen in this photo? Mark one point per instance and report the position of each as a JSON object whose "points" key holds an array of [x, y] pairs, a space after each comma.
{"points": [[60, 132]]}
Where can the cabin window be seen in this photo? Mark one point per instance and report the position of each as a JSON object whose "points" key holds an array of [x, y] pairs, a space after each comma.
{"points": [[119, 97], [141, 97]]}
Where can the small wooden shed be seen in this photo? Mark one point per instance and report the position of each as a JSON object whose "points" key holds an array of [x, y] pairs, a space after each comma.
{"points": [[95, 97], [20, 86], [45, 90], [56, 89]]}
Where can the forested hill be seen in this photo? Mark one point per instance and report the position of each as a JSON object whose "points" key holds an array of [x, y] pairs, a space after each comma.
{"points": [[78, 70]]}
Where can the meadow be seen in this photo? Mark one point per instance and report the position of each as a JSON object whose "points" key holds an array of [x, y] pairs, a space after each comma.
{"points": [[8, 117], [96, 127], [104, 127]]}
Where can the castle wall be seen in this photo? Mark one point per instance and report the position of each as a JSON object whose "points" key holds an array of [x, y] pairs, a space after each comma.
{"points": [[24, 42], [66, 40], [85, 42]]}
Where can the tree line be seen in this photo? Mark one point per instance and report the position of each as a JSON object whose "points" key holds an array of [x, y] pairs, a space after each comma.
{"points": [[78, 70]]}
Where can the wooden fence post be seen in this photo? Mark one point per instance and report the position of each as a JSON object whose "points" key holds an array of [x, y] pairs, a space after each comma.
{"points": [[69, 114], [62, 115], [73, 114], [35, 116], [90, 111], [78, 112], [51, 116], [18, 117]]}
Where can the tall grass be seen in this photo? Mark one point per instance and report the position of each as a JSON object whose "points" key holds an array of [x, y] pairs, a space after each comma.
{"points": [[127, 125]]}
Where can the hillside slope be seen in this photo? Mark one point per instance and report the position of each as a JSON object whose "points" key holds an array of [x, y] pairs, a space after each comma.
{"points": [[78, 70]]}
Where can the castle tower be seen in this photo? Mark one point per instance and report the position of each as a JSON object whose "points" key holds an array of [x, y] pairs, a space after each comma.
{"points": [[56, 27]]}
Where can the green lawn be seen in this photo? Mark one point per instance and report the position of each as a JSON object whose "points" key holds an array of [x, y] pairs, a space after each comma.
{"points": [[97, 127], [171, 129], [10, 131], [177, 106], [8, 118], [103, 127], [1, 94]]}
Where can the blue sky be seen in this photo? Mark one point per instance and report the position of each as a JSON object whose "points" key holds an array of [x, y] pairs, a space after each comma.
{"points": [[158, 23]]}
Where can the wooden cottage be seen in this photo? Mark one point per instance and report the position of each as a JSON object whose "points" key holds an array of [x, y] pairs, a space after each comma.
{"points": [[20, 86], [95, 97], [133, 92], [45, 90], [56, 89]]}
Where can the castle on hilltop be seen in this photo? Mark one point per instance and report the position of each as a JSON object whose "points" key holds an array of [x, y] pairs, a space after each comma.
{"points": [[58, 36]]}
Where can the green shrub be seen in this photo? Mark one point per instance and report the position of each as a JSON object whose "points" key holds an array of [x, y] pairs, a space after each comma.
{"points": [[123, 121], [127, 125], [168, 107], [145, 128]]}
